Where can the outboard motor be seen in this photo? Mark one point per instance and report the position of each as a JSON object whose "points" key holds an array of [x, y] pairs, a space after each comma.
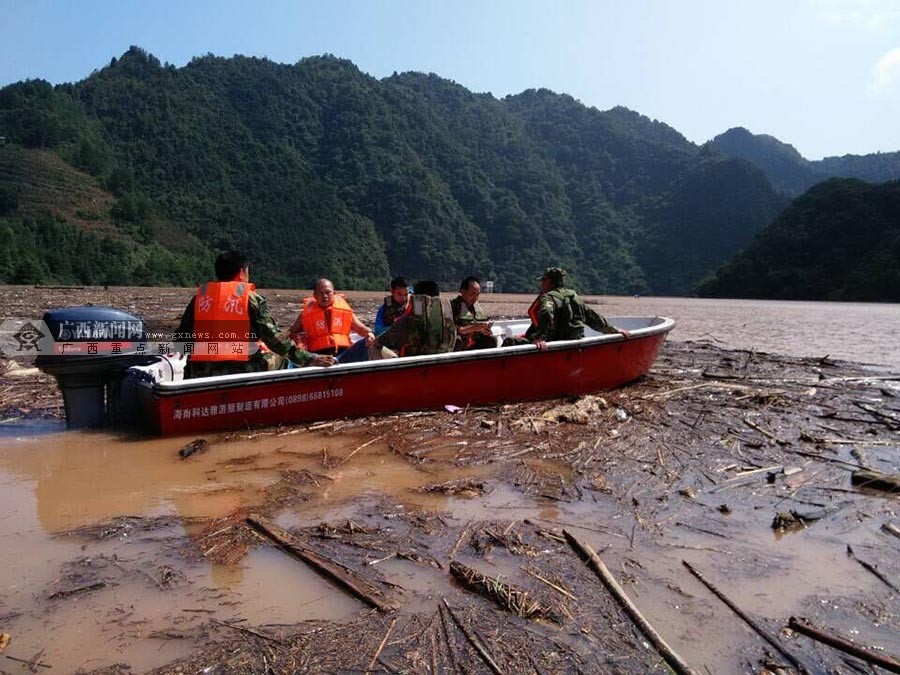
{"points": [[91, 349]]}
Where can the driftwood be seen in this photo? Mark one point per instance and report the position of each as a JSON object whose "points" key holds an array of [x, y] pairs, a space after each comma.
{"points": [[247, 630], [75, 591], [763, 633], [889, 421], [890, 528], [873, 569], [746, 478], [508, 597], [876, 480], [345, 578], [790, 520], [32, 663], [803, 626], [586, 553], [384, 640], [476, 644], [450, 641], [192, 448]]}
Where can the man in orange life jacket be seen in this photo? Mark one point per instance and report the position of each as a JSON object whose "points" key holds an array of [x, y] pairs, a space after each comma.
{"points": [[326, 321], [224, 321]]}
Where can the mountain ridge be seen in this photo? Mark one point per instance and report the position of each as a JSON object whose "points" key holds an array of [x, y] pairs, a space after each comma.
{"points": [[317, 168]]}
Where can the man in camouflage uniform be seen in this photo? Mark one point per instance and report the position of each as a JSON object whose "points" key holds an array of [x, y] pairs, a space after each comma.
{"points": [[396, 306], [427, 329], [234, 267], [559, 314], [472, 323]]}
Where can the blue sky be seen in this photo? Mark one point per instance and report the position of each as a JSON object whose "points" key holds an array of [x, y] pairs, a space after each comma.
{"points": [[823, 75]]}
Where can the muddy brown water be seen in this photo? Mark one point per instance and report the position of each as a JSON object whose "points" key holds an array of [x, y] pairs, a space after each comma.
{"points": [[56, 482], [161, 590]]}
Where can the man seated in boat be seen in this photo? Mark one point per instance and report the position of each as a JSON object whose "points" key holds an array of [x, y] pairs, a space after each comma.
{"points": [[326, 321], [395, 305], [428, 327], [559, 314], [473, 325], [229, 307]]}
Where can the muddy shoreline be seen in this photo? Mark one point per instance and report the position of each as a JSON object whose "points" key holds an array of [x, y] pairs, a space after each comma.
{"points": [[738, 462]]}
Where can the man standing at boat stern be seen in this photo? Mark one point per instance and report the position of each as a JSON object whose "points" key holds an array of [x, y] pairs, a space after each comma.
{"points": [[559, 314], [226, 318]]}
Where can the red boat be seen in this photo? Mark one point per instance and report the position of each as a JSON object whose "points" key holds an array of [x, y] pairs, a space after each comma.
{"points": [[482, 377]]}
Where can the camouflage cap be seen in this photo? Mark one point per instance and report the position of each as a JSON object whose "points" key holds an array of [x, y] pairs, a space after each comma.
{"points": [[556, 275]]}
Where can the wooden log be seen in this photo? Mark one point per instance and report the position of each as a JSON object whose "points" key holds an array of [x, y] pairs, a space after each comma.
{"points": [[876, 480], [763, 633], [586, 553], [346, 579], [882, 660]]}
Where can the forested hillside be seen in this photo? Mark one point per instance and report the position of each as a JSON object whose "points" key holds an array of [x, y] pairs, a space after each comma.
{"points": [[319, 169], [792, 174], [838, 241]]}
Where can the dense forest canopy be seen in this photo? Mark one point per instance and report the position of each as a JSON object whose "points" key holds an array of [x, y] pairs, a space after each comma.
{"points": [[838, 241], [141, 172]]}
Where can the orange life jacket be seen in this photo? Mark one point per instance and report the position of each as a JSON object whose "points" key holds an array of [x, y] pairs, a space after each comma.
{"points": [[221, 309], [533, 310], [323, 334]]}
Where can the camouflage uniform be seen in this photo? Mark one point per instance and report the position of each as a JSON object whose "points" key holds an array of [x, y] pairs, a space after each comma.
{"points": [[390, 313], [559, 314], [427, 329], [465, 315], [264, 327], [562, 315], [392, 310]]}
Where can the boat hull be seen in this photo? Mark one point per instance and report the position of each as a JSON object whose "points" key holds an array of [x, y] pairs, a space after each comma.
{"points": [[491, 377]]}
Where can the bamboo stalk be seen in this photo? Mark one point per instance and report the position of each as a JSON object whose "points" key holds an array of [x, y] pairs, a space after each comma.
{"points": [[451, 642], [585, 552], [481, 649], [884, 661], [555, 587], [346, 579], [381, 646], [364, 445], [764, 634], [872, 569], [247, 630]]}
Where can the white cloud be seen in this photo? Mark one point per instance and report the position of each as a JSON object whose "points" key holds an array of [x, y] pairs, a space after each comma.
{"points": [[886, 74], [870, 15]]}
